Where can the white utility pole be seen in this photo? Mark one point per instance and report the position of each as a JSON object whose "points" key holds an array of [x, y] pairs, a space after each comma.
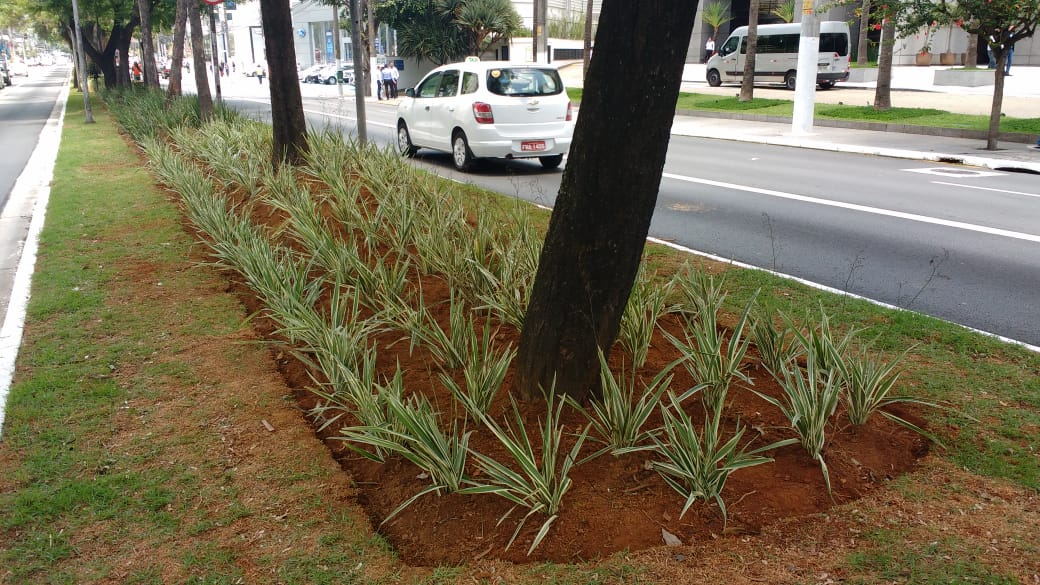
{"points": [[808, 56], [82, 64]]}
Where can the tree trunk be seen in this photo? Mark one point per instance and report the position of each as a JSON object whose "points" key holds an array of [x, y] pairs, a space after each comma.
{"points": [[104, 59], [883, 90], [173, 89], [602, 216], [587, 52], [971, 59], [151, 74], [998, 99], [198, 55], [287, 120], [862, 51], [747, 84]]}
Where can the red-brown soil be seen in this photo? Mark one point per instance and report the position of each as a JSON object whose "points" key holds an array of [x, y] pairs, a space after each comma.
{"points": [[615, 504]]}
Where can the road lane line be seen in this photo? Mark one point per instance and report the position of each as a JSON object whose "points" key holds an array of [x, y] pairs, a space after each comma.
{"points": [[862, 208], [987, 189]]}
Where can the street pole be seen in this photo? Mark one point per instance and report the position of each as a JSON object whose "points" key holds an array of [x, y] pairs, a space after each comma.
{"points": [[82, 64], [359, 96], [336, 50], [213, 48], [805, 76]]}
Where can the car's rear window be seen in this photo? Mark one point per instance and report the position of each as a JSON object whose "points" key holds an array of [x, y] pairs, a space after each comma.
{"points": [[524, 81]]}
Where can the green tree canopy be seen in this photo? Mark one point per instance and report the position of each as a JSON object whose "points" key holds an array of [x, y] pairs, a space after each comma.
{"points": [[442, 31]]}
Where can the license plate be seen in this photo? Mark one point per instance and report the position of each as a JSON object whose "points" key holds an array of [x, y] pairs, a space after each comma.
{"points": [[532, 146]]}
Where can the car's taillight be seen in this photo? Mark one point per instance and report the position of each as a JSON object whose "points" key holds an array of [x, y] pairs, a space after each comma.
{"points": [[570, 112], [482, 113]]}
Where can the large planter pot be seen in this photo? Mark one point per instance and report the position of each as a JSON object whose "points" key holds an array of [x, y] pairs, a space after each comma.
{"points": [[947, 58], [963, 77], [862, 74], [923, 59]]}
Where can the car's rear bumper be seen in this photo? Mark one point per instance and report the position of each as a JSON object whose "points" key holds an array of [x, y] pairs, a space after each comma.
{"points": [[492, 144]]}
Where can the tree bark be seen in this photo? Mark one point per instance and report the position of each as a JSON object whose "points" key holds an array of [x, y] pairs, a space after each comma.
{"points": [[287, 120], [173, 89], [747, 84], [862, 52], [883, 90], [602, 216], [198, 55], [104, 58], [151, 74], [998, 99]]}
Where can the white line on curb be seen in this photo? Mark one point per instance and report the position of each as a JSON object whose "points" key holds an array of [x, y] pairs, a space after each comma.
{"points": [[33, 183]]}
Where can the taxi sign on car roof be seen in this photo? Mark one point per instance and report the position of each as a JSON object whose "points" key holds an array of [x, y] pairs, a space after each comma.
{"points": [[472, 59]]}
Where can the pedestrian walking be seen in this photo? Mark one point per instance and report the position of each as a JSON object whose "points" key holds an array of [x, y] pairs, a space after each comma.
{"points": [[709, 49], [260, 73], [379, 83]]}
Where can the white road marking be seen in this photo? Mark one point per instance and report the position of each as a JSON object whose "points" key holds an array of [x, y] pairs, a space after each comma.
{"points": [[862, 208], [987, 189]]}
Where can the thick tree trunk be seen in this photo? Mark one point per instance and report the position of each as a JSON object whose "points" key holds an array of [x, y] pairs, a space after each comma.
{"points": [[151, 74], [883, 90], [602, 215], [287, 120], [998, 99], [862, 51], [747, 84], [119, 40], [971, 59], [198, 55], [173, 89]]}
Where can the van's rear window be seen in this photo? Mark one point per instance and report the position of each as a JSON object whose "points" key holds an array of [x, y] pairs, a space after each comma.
{"points": [[524, 81]]}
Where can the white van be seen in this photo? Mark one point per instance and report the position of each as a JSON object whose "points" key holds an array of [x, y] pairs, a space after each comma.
{"points": [[776, 55]]}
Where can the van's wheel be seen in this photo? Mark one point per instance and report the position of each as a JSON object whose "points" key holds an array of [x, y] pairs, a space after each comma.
{"points": [[789, 80], [552, 161], [460, 152], [714, 79], [826, 85], [404, 141]]}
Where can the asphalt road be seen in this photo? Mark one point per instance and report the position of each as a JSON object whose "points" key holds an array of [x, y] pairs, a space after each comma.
{"points": [[24, 110], [953, 242]]}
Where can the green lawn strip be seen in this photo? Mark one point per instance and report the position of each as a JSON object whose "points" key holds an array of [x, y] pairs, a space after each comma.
{"points": [[93, 360], [908, 116]]}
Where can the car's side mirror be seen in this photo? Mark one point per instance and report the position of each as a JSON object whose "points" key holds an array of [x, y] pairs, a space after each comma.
{"points": [[410, 92]]}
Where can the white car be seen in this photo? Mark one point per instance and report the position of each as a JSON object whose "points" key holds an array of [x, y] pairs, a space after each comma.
{"points": [[488, 109]]}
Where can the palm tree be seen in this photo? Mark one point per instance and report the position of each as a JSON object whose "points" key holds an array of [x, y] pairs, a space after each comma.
{"points": [[785, 10], [715, 15], [488, 22]]}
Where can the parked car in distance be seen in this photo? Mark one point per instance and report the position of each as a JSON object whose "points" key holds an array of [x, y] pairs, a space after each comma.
{"points": [[328, 74], [5, 72], [310, 74], [19, 67], [488, 109]]}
